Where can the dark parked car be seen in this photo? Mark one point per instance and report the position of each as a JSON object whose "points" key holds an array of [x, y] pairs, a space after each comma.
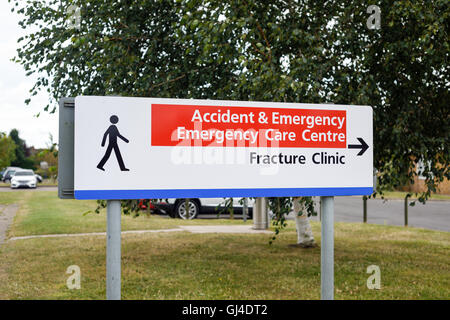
{"points": [[38, 177], [8, 173]]}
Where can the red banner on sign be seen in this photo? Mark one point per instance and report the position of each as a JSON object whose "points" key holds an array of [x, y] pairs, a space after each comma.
{"points": [[191, 125]]}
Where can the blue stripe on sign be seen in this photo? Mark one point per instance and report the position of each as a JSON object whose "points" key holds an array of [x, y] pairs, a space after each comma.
{"points": [[218, 193]]}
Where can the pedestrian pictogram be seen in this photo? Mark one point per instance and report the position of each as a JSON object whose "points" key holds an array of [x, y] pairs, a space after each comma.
{"points": [[113, 133]]}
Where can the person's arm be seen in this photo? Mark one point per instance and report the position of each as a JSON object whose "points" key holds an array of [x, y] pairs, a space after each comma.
{"points": [[122, 137], [104, 137]]}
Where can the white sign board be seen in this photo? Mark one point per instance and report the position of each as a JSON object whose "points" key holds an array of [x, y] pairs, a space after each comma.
{"points": [[148, 148]]}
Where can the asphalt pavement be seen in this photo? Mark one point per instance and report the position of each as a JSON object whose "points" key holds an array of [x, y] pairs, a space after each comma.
{"points": [[39, 188], [434, 214]]}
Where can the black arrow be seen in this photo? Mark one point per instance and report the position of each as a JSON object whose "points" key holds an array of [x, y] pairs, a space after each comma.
{"points": [[363, 146]]}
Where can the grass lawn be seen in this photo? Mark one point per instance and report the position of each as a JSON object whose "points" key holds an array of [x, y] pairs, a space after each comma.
{"points": [[414, 263], [10, 197], [66, 216]]}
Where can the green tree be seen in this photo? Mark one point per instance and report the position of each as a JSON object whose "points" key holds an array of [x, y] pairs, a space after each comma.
{"points": [[48, 155], [311, 51], [7, 150], [402, 70], [21, 159]]}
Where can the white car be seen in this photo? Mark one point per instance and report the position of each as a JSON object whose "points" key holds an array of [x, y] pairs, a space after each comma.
{"points": [[23, 178], [176, 207]]}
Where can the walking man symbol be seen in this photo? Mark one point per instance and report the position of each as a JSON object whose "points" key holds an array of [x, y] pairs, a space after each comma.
{"points": [[113, 134]]}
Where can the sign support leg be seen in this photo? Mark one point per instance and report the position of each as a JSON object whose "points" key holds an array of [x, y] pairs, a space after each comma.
{"points": [[365, 209], [327, 249], [260, 220], [406, 211], [113, 250], [245, 210]]}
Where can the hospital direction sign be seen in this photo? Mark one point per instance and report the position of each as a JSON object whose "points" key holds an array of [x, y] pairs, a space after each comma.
{"points": [[128, 148]]}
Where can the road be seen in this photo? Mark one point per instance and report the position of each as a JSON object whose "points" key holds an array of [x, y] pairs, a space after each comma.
{"points": [[41, 188], [433, 215]]}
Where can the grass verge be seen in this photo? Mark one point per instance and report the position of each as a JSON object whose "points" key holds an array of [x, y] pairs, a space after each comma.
{"points": [[66, 216], [11, 197], [414, 264]]}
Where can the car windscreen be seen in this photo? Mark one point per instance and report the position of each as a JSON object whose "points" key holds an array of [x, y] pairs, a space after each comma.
{"points": [[24, 173]]}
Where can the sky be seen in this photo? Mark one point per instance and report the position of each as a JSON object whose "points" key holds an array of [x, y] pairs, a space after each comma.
{"points": [[15, 86]]}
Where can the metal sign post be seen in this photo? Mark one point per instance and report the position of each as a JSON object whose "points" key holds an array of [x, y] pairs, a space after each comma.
{"points": [[327, 249], [245, 210], [113, 251], [260, 212]]}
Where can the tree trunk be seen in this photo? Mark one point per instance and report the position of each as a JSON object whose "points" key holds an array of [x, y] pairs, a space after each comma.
{"points": [[305, 236]]}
